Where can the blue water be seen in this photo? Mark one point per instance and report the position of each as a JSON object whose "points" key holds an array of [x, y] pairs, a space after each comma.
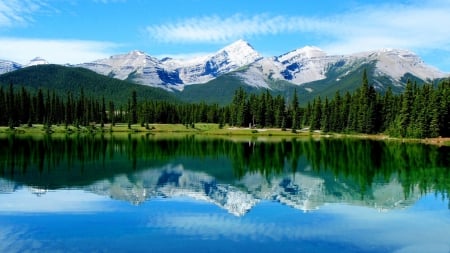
{"points": [[145, 194], [79, 221]]}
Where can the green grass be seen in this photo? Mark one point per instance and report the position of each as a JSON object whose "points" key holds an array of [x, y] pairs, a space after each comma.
{"points": [[198, 128], [201, 130]]}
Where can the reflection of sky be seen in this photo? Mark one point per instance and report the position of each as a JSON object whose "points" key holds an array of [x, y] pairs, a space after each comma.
{"points": [[52, 222], [28, 201], [361, 227]]}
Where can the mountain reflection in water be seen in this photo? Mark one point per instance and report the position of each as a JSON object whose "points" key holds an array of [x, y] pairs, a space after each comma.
{"points": [[233, 174]]}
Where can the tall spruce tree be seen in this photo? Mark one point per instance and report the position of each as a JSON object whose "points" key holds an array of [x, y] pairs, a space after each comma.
{"points": [[316, 118], [406, 107], [295, 111]]}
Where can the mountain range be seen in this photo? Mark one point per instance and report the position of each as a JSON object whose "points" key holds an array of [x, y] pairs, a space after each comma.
{"points": [[298, 67], [308, 70]]}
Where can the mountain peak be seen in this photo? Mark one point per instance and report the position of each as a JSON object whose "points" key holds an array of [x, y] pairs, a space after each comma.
{"points": [[8, 66], [137, 53], [37, 61], [239, 44], [240, 52], [240, 47], [304, 52]]}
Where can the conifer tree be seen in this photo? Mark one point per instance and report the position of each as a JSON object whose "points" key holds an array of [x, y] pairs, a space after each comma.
{"points": [[406, 107], [316, 117], [326, 116], [295, 111], [111, 112]]}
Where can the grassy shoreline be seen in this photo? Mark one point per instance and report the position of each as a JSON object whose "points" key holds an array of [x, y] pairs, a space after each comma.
{"points": [[202, 129]]}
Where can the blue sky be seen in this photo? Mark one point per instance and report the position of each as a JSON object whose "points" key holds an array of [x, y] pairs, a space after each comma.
{"points": [[75, 31]]}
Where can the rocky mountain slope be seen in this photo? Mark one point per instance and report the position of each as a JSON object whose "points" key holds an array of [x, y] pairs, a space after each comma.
{"points": [[309, 68], [298, 67], [8, 66], [172, 73]]}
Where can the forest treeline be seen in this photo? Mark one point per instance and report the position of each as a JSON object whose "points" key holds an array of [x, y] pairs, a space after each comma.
{"points": [[419, 112]]}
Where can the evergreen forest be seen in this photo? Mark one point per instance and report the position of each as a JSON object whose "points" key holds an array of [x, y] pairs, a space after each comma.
{"points": [[421, 111]]}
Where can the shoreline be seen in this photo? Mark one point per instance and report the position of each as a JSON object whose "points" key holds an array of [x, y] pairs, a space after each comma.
{"points": [[204, 129]]}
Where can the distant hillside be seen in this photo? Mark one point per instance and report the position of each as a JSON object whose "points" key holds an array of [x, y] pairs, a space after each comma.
{"points": [[63, 79], [221, 89]]}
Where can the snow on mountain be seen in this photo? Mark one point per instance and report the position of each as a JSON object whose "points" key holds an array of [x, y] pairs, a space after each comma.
{"points": [[300, 66], [36, 61], [305, 65], [135, 65], [171, 73], [228, 59], [8, 66], [310, 64], [396, 63], [260, 72]]}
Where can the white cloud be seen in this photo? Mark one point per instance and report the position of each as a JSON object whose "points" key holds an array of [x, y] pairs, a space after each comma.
{"points": [[217, 29], [418, 25], [18, 12], [54, 51]]}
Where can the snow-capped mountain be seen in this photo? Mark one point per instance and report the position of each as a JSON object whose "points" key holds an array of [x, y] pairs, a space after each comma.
{"points": [[241, 61], [173, 73], [37, 61], [135, 65], [300, 66], [311, 64], [8, 66]]}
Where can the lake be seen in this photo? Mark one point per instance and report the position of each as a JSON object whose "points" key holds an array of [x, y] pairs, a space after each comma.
{"points": [[186, 193]]}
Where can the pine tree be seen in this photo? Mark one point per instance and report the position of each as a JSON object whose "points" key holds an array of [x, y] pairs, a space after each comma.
{"points": [[11, 107], [336, 121], [326, 116], [129, 114], [444, 107], [316, 117], [40, 108], [112, 113], [25, 105], [240, 108], [388, 110], [103, 113], [3, 108], [346, 116], [295, 111], [406, 107]]}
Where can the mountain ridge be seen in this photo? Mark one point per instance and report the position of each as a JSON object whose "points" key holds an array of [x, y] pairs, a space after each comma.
{"points": [[300, 66], [212, 78]]}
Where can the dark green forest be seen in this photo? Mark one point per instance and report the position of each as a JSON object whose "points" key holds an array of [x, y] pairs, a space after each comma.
{"points": [[421, 111], [62, 80]]}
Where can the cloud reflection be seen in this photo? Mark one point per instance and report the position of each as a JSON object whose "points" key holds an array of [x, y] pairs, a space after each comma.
{"points": [[362, 227], [29, 201]]}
